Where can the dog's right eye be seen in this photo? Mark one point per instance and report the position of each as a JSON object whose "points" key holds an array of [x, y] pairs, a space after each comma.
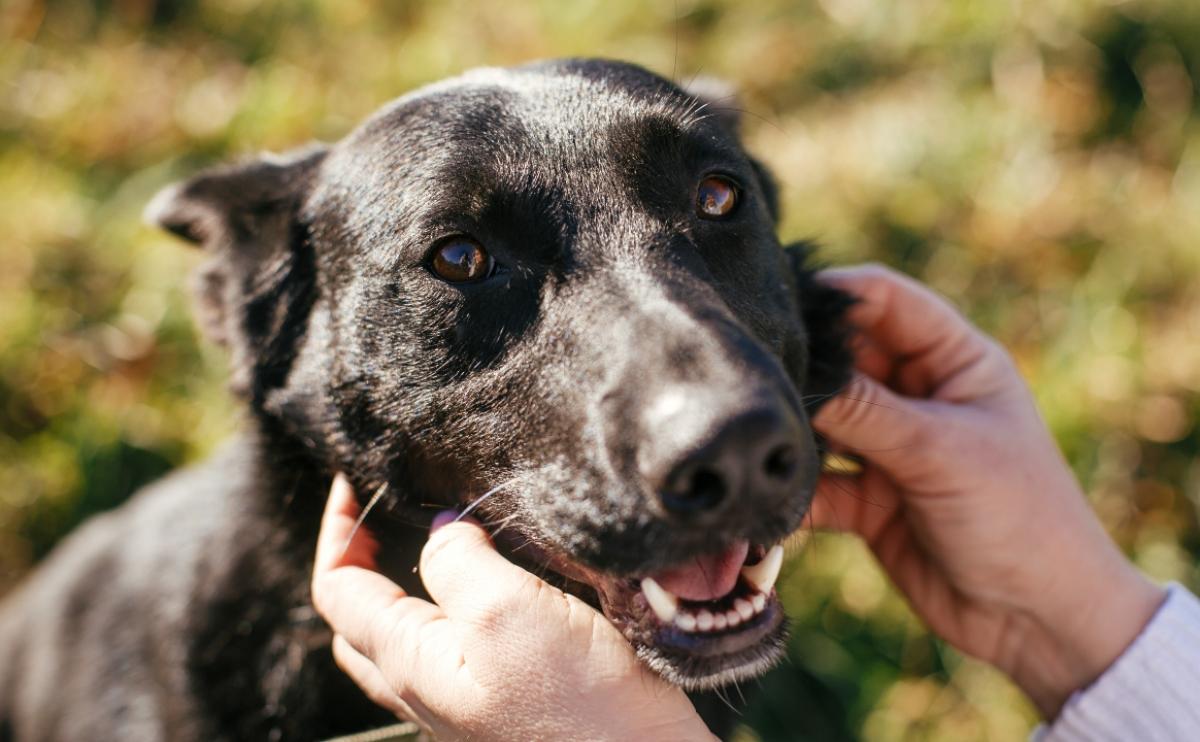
{"points": [[716, 197], [461, 260]]}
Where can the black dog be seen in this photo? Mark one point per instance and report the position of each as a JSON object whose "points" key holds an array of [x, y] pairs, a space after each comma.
{"points": [[558, 285]]}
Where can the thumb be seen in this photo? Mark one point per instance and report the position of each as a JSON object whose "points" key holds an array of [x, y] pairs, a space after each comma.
{"points": [[873, 421], [466, 576]]}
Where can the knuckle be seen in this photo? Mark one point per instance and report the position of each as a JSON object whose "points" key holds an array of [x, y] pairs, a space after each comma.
{"points": [[494, 616], [398, 640]]}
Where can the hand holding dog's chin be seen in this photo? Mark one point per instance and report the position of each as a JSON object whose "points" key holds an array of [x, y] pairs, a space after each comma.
{"points": [[501, 655], [966, 501]]}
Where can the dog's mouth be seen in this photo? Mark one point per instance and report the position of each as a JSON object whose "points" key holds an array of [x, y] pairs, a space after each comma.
{"points": [[714, 594], [708, 621]]}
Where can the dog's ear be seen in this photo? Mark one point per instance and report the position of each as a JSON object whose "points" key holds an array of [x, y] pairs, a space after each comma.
{"points": [[823, 310], [261, 272], [719, 99]]}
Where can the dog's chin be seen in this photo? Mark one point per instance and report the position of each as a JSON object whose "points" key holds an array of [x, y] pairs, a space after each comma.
{"points": [[695, 644]]}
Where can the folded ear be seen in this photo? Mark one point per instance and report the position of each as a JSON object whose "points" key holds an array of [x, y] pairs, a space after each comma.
{"points": [[234, 202], [260, 277], [719, 99]]}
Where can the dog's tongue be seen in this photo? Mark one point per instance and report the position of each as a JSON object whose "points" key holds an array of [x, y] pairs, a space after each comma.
{"points": [[706, 577]]}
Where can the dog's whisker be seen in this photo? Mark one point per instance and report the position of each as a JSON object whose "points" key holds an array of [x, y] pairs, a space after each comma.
{"points": [[852, 494], [738, 687], [479, 500], [760, 117], [866, 401], [719, 692], [695, 76], [497, 527], [675, 59], [375, 498]]}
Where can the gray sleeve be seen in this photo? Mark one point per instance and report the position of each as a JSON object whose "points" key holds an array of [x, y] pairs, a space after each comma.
{"points": [[1151, 693]]}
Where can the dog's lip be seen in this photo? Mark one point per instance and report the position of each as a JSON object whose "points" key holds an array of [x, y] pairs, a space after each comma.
{"points": [[688, 633], [698, 654]]}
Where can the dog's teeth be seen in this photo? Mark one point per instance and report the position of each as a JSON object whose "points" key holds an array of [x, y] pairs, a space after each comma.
{"points": [[732, 618], [704, 621], [686, 621], [764, 574], [720, 621], [759, 602], [665, 604], [744, 609]]}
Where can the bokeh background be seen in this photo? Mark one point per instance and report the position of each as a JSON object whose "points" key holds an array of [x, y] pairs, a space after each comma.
{"points": [[1037, 161]]}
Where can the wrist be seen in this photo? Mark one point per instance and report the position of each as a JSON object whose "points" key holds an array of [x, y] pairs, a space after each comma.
{"points": [[1072, 638]]}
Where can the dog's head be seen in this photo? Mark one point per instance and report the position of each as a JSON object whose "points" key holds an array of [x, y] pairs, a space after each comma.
{"points": [[556, 288]]}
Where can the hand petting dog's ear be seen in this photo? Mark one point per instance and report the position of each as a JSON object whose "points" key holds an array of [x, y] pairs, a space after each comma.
{"points": [[965, 499]]}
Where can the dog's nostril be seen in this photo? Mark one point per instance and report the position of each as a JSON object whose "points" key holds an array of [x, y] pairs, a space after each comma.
{"points": [[781, 463], [703, 488]]}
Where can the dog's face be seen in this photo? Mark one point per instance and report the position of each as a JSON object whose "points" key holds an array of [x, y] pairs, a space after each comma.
{"points": [[556, 288]]}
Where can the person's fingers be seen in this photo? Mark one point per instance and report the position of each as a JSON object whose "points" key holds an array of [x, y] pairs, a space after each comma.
{"points": [[872, 360], [467, 577], [861, 504], [368, 677], [871, 420], [405, 637], [834, 503], [345, 588], [334, 546], [368, 610], [910, 323]]}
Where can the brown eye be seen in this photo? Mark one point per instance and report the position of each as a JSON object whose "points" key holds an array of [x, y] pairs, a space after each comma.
{"points": [[461, 260], [716, 198]]}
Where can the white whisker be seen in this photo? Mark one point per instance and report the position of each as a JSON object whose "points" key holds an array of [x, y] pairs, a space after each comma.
{"points": [[375, 498]]}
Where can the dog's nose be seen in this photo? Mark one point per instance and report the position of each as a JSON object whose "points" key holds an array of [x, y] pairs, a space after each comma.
{"points": [[697, 465]]}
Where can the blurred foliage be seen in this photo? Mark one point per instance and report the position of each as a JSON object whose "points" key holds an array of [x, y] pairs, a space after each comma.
{"points": [[1037, 162]]}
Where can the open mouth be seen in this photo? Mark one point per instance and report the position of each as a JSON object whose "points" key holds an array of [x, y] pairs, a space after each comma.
{"points": [[706, 595], [705, 622]]}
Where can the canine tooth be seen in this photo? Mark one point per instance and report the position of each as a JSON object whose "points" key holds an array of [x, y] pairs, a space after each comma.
{"points": [[686, 621], [759, 601], [732, 618], [665, 604], [744, 609], [764, 574], [704, 621], [720, 621]]}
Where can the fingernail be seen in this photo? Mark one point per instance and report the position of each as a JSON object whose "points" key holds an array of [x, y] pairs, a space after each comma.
{"points": [[442, 518]]}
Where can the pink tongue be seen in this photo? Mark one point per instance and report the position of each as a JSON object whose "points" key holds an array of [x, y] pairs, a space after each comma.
{"points": [[706, 577]]}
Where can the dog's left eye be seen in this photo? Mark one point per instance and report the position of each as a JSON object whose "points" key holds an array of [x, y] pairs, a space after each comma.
{"points": [[461, 260], [716, 197]]}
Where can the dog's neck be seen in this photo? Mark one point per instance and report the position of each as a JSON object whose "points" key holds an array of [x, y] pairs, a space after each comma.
{"points": [[292, 481]]}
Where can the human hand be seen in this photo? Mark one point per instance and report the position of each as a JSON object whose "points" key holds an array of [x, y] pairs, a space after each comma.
{"points": [[966, 501], [502, 655]]}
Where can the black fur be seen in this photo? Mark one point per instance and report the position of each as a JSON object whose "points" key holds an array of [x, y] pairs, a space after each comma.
{"points": [[185, 613]]}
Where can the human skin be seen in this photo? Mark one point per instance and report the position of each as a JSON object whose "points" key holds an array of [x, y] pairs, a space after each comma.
{"points": [[502, 655], [964, 499]]}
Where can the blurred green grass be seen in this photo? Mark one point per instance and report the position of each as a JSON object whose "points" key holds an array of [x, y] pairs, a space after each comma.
{"points": [[1039, 163]]}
